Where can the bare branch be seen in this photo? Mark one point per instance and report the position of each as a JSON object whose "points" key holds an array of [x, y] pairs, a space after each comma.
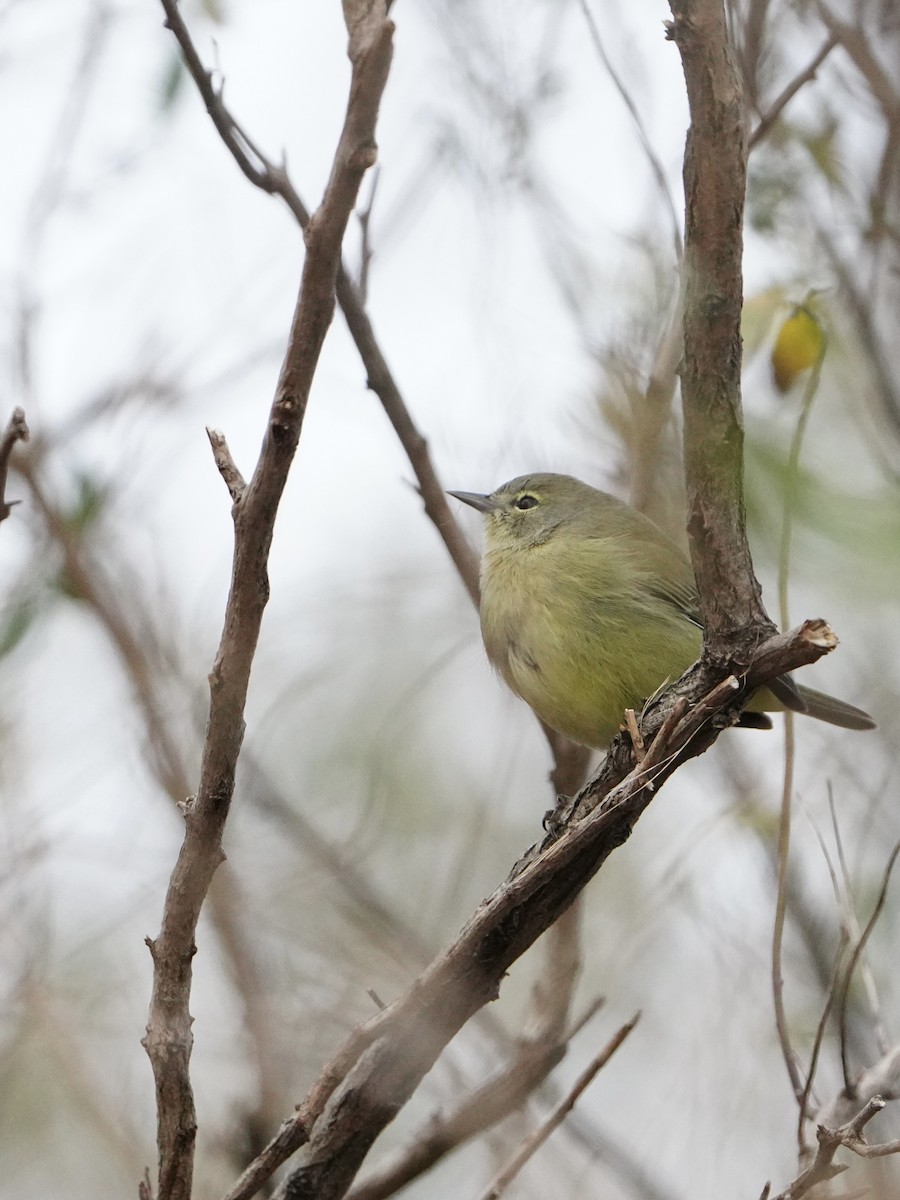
{"points": [[856, 45], [810, 392], [168, 1040], [830, 1141], [654, 412], [234, 480], [374, 1073], [532, 1144], [16, 431], [849, 1085], [783, 857]]}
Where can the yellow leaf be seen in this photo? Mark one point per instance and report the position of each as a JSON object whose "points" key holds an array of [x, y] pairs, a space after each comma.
{"points": [[799, 345]]}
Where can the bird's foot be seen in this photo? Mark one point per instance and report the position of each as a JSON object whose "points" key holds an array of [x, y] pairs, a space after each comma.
{"points": [[556, 819]]}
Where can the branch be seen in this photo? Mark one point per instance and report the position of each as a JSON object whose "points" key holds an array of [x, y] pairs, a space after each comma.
{"points": [[16, 431], [830, 1141], [532, 1144], [226, 465], [168, 1040], [273, 179], [377, 1069], [715, 169], [536, 1054], [853, 963]]}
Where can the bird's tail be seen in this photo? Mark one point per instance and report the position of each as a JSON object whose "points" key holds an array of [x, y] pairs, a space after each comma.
{"points": [[834, 711]]}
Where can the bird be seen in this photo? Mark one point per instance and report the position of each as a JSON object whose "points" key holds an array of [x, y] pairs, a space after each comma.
{"points": [[588, 609]]}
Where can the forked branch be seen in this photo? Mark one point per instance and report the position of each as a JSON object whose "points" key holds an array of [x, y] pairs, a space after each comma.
{"points": [[168, 1039]]}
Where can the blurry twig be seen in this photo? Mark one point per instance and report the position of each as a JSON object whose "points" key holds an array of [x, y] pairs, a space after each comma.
{"points": [[852, 925], [810, 391], [654, 412], [16, 431], [820, 1035], [886, 96], [274, 180], [533, 1143], [48, 194], [784, 845], [650, 154], [856, 45], [146, 663], [850, 1084], [778, 105]]}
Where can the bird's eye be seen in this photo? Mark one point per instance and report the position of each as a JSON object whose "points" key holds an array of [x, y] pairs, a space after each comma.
{"points": [[526, 501]]}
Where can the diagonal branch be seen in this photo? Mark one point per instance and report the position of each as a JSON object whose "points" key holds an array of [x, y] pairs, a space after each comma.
{"points": [[855, 956], [783, 99], [168, 1040], [537, 1052], [377, 1069]]}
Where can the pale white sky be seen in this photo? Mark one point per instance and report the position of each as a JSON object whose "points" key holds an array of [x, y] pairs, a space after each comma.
{"points": [[161, 259]]}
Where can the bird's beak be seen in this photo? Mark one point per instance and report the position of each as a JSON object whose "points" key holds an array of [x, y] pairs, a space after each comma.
{"points": [[477, 500]]}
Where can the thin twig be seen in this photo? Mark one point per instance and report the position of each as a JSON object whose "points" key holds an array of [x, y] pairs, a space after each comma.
{"points": [[228, 469], [830, 1141], [533, 1143], [780, 103], [784, 844], [849, 1082], [656, 167], [830, 996], [810, 392], [852, 924]]}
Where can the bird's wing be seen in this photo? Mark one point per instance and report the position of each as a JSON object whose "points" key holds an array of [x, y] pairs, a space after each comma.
{"points": [[673, 580], [677, 587], [784, 689]]}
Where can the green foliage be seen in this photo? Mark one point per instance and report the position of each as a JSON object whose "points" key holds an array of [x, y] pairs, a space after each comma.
{"points": [[18, 619], [172, 81]]}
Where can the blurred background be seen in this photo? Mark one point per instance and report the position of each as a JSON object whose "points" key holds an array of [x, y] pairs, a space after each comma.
{"points": [[522, 247]]}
